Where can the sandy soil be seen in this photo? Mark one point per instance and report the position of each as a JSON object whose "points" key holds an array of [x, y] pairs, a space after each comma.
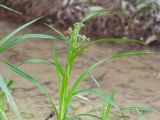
{"points": [[136, 80]]}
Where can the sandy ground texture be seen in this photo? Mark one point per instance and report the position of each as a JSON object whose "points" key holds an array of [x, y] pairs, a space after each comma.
{"points": [[136, 80]]}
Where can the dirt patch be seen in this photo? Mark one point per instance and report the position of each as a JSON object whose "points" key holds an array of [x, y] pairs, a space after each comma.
{"points": [[136, 80]]}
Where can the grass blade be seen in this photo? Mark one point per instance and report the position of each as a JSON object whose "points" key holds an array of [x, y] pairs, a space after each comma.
{"points": [[96, 82], [61, 83], [95, 13], [36, 60], [85, 114], [82, 97], [2, 96], [100, 95], [23, 37], [115, 40], [86, 72], [3, 115], [10, 9], [95, 92], [144, 109], [107, 109], [6, 38], [34, 81], [9, 98], [57, 31]]}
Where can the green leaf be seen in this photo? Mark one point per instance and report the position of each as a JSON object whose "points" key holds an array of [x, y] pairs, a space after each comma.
{"points": [[9, 98], [85, 114], [100, 95], [116, 40], [36, 60], [3, 116], [144, 109], [10, 9], [9, 84], [23, 37], [61, 88], [95, 13], [34, 81], [2, 101], [7, 37], [56, 30], [2, 96], [107, 109], [120, 55], [86, 72]]}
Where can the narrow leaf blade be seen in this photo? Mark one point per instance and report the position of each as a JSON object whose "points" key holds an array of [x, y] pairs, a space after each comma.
{"points": [[24, 37], [9, 98], [10, 9], [95, 13], [6, 38], [34, 81], [86, 72]]}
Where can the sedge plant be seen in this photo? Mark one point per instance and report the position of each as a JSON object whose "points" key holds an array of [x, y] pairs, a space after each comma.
{"points": [[76, 45]]}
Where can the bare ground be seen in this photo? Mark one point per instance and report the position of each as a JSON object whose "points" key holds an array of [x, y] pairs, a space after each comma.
{"points": [[136, 80]]}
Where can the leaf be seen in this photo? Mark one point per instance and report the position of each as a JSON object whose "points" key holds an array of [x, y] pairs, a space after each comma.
{"points": [[95, 13], [7, 37], [57, 31], [86, 72], [34, 81], [99, 94], [10, 9], [3, 115], [95, 92], [2, 96], [61, 88], [120, 55], [144, 109], [96, 82], [35, 60], [9, 98], [107, 109], [85, 114], [116, 40], [82, 97], [9, 84], [23, 37]]}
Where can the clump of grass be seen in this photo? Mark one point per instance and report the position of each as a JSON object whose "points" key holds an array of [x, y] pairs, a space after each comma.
{"points": [[76, 45]]}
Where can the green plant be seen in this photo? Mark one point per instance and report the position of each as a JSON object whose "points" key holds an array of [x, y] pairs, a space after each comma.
{"points": [[76, 45]]}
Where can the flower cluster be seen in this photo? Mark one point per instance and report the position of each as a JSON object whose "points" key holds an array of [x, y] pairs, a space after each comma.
{"points": [[77, 38]]}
